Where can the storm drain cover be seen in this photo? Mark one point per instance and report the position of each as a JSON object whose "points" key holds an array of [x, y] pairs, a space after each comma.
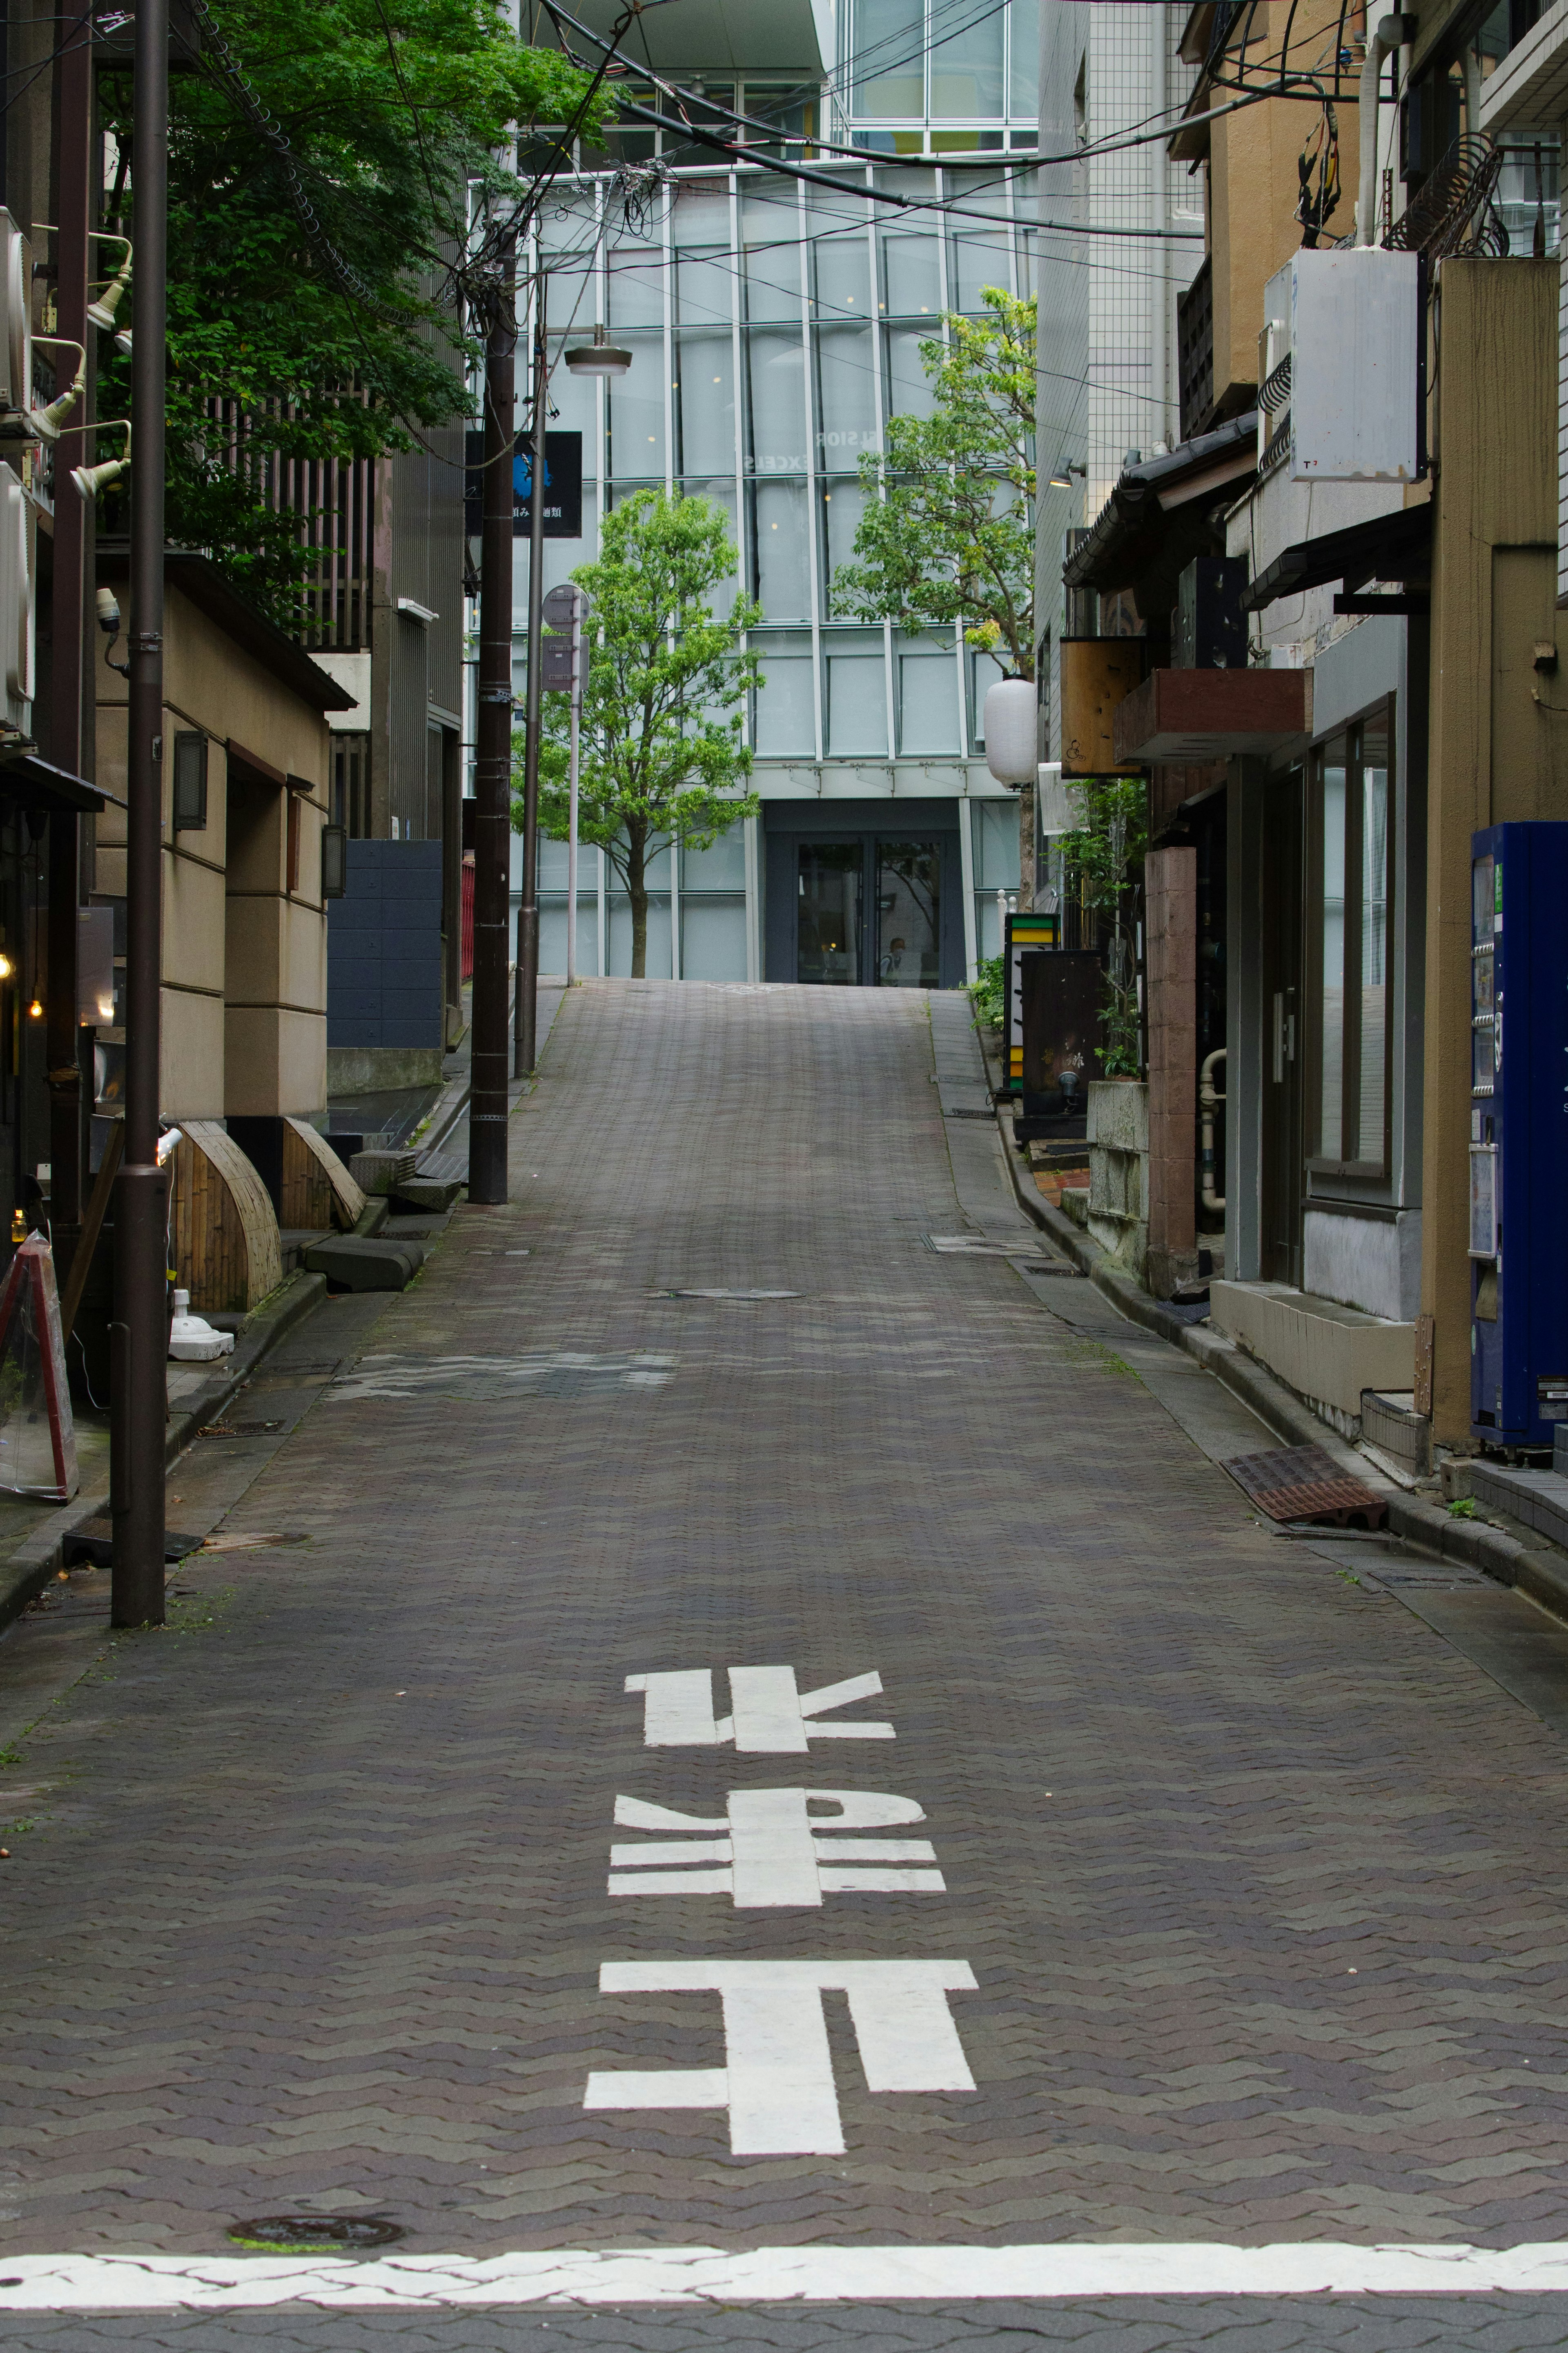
{"points": [[969, 1114], [311, 2234], [1303, 1483], [546, 1373], [239, 1428], [723, 1295]]}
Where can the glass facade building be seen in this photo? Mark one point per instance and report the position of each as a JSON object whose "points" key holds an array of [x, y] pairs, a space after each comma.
{"points": [[775, 326]]}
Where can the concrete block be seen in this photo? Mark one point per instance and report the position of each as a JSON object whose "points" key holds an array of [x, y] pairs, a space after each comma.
{"points": [[379, 1172], [1323, 1350], [366, 1262], [426, 1195]]}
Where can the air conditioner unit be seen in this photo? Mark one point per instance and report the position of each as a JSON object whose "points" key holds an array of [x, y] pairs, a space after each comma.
{"points": [[16, 631], [1340, 375], [16, 343]]}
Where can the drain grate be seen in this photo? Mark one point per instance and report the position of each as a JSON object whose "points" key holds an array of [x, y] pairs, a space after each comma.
{"points": [[724, 1294], [311, 2234], [239, 1428], [1303, 1483], [969, 1114]]}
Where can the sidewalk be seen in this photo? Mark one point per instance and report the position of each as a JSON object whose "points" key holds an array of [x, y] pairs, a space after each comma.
{"points": [[521, 1856]]}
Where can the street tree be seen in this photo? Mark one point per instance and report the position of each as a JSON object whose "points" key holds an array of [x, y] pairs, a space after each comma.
{"points": [[664, 759], [289, 342], [947, 531]]}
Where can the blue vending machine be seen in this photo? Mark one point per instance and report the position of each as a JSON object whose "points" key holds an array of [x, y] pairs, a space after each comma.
{"points": [[1518, 1134]]}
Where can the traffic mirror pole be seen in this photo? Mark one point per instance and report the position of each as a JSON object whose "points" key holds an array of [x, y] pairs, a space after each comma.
{"points": [[493, 752], [525, 1029]]}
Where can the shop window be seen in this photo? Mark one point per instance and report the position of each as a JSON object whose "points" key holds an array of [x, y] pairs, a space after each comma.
{"points": [[1349, 935]]}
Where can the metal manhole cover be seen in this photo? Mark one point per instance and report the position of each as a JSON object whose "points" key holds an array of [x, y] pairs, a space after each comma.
{"points": [[239, 1428], [1303, 1483], [309, 2234]]}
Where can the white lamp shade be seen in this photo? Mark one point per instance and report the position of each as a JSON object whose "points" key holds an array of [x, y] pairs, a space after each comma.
{"points": [[1010, 724]]}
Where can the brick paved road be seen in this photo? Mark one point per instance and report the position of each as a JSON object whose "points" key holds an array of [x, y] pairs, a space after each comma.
{"points": [[1261, 1885]]}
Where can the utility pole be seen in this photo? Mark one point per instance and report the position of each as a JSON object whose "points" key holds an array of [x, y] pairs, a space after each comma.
{"points": [[492, 750], [141, 1334], [525, 1032]]}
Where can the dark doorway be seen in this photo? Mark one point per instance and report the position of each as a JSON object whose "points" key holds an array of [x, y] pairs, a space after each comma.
{"points": [[852, 905]]}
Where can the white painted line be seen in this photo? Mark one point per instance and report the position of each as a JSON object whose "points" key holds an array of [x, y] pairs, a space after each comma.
{"points": [[779, 1853], [769, 1716], [778, 2069], [842, 2275]]}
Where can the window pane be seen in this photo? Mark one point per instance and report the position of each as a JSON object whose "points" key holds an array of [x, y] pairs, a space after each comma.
{"points": [[776, 369], [908, 929], [636, 413], [909, 386], [829, 911], [847, 359], [966, 69], [886, 64], [981, 258], [770, 226], [1333, 1007], [713, 938], [783, 571], [720, 867], [996, 835], [1026, 70], [857, 703], [637, 284], [841, 508], [705, 379], [911, 282], [1373, 939], [786, 722], [927, 701], [704, 284], [721, 488], [567, 250]]}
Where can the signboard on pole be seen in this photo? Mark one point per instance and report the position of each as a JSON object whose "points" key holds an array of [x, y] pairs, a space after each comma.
{"points": [[1022, 932], [563, 486]]}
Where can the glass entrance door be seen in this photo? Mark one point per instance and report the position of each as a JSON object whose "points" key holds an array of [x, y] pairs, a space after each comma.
{"points": [[828, 918], [908, 885]]}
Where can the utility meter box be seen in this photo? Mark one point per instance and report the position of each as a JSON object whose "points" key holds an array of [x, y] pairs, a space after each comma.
{"points": [[1518, 1134], [1356, 385]]}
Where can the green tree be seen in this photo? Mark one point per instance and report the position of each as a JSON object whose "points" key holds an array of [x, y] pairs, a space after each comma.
{"points": [[663, 756], [947, 532], [1099, 858], [391, 110]]}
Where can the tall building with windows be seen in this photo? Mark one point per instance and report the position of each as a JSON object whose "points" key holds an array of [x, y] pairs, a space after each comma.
{"points": [[775, 325]]}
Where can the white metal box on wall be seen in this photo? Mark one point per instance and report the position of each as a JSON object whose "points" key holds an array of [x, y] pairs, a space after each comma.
{"points": [[1355, 348]]}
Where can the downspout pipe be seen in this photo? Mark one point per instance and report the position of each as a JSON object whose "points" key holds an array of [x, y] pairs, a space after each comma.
{"points": [[1393, 33], [1207, 1099]]}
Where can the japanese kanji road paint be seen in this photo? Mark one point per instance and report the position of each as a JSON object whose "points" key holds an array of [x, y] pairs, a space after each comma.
{"points": [[828, 2275], [771, 1850], [777, 2077], [769, 1715]]}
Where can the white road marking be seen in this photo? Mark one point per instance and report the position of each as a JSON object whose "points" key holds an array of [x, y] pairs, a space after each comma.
{"points": [[777, 2077], [838, 2274], [777, 1852], [769, 1715]]}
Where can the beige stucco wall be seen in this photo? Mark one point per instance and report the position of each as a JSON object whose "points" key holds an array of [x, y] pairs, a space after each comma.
{"points": [[233, 936], [1495, 754]]}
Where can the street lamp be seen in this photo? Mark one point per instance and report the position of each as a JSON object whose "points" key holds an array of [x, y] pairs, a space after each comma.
{"points": [[598, 358]]}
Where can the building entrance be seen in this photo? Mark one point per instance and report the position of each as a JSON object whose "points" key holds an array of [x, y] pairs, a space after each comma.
{"points": [[863, 906], [889, 938]]}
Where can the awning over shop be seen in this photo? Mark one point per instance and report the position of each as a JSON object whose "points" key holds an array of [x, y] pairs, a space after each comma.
{"points": [[1396, 546], [35, 783], [1158, 516]]}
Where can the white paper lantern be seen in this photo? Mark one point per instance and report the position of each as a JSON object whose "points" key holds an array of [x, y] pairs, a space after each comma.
{"points": [[1010, 725]]}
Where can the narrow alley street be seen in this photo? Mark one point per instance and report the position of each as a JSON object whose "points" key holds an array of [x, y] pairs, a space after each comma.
{"points": [[776, 1736]]}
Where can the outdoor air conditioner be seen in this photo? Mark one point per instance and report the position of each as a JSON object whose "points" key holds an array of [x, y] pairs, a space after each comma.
{"points": [[16, 632], [1339, 367], [17, 344]]}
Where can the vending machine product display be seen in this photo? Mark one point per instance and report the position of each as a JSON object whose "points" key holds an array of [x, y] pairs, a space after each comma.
{"points": [[1518, 1134]]}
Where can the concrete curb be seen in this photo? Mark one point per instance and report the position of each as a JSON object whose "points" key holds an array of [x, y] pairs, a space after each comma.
{"points": [[1537, 1569], [29, 1568]]}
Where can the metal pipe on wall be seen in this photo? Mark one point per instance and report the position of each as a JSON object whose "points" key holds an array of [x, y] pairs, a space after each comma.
{"points": [[141, 1254]]}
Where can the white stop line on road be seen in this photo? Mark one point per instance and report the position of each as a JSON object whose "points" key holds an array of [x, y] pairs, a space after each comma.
{"points": [[772, 2276]]}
